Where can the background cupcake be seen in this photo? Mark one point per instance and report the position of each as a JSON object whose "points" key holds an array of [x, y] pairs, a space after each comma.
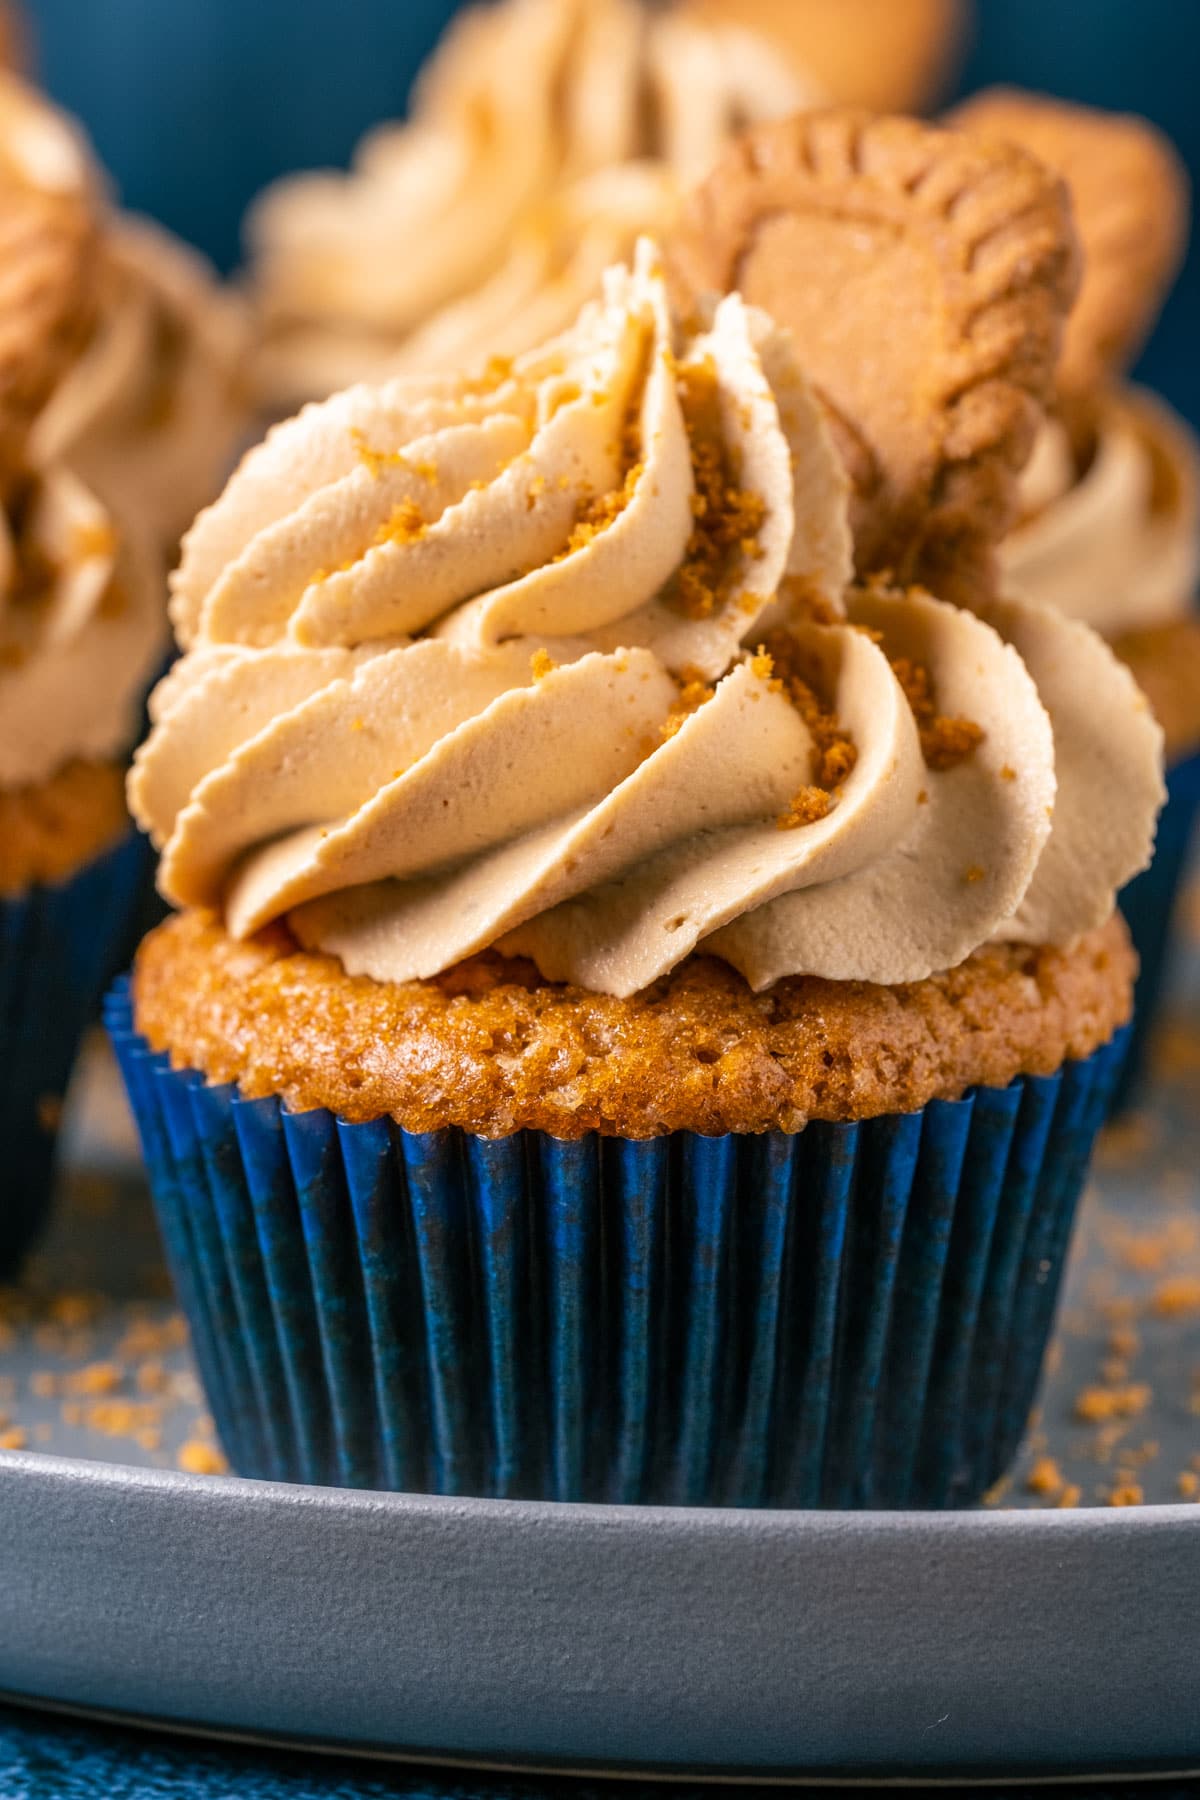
{"points": [[613, 1044], [543, 137], [82, 632], [147, 401], [1110, 525]]}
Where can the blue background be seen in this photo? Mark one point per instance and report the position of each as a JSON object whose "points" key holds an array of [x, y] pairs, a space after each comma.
{"points": [[195, 104]]}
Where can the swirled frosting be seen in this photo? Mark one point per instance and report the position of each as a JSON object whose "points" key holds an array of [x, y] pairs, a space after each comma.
{"points": [[474, 662], [544, 136], [82, 628], [82, 617], [151, 410], [149, 395], [1116, 543]]}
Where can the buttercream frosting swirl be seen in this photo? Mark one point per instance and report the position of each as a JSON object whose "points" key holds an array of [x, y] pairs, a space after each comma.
{"points": [[473, 662], [544, 136], [82, 628], [151, 410], [1116, 543], [82, 617]]}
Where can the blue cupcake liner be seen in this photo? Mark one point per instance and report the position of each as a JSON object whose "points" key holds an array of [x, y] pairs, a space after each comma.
{"points": [[60, 947], [851, 1316], [1148, 904]]}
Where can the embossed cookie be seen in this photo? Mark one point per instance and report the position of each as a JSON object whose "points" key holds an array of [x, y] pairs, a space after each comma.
{"points": [[889, 55], [1130, 194], [925, 276], [48, 244]]}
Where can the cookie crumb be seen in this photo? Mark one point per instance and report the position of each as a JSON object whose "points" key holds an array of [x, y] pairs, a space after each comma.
{"points": [[809, 805], [1095, 1405], [1045, 1477], [198, 1458], [945, 741]]}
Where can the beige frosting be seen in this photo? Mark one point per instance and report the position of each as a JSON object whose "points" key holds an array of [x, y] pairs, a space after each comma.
{"points": [[151, 411], [446, 686], [82, 619], [41, 147], [82, 630], [544, 136], [1119, 544]]}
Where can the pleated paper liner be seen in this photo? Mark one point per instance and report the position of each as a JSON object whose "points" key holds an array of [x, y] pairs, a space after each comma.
{"points": [[851, 1316], [1148, 904], [60, 947]]}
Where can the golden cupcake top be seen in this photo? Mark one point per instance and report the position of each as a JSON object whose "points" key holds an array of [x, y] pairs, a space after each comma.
{"points": [[491, 1048], [565, 658]]}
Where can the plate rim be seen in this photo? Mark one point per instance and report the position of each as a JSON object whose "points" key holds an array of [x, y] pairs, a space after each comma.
{"points": [[767, 1689]]}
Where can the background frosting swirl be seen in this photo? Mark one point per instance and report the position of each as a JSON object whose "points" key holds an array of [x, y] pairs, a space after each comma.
{"points": [[82, 629], [1116, 542], [151, 409], [473, 662], [543, 136]]}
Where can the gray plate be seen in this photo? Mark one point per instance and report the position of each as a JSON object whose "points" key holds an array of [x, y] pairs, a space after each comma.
{"points": [[499, 1632]]}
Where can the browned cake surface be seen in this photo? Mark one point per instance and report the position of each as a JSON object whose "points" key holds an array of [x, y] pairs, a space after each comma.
{"points": [[491, 1048], [50, 830], [925, 276], [1165, 660]]}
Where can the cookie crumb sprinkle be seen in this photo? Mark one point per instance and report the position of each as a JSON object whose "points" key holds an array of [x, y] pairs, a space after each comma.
{"points": [[794, 675], [945, 741], [810, 804], [694, 692], [728, 517]]}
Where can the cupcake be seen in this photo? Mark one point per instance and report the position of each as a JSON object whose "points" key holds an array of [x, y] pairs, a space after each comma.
{"points": [[1109, 529], [82, 634], [642, 994], [543, 137], [149, 403]]}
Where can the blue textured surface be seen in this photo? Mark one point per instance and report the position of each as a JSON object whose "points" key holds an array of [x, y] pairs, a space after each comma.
{"points": [[1149, 906], [59, 948], [51, 1759], [854, 1316]]}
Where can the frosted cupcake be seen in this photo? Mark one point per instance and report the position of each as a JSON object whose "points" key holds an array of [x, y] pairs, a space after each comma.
{"points": [[82, 633], [1109, 529], [641, 1002]]}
